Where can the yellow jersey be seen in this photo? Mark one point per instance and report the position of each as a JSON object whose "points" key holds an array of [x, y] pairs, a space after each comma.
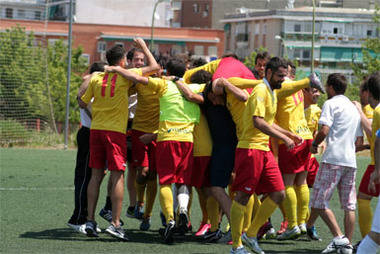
{"points": [[368, 111], [202, 138], [375, 127], [181, 131], [110, 106], [312, 114]]}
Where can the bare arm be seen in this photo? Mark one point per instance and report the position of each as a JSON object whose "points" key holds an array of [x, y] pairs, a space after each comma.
{"points": [[375, 176], [128, 74], [264, 127], [153, 66], [365, 122], [359, 145], [297, 139], [82, 90], [321, 135], [188, 93], [221, 83]]}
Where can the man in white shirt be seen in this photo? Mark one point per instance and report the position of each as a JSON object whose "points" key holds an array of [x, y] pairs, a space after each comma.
{"points": [[340, 125]]}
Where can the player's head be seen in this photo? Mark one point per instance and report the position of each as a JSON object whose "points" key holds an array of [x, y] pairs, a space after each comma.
{"points": [[311, 95], [176, 67], [336, 84], [291, 70], [97, 66], [116, 56], [275, 71], [230, 54], [198, 62], [374, 89], [135, 58], [261, 60], [201, 77], [363, 92]]}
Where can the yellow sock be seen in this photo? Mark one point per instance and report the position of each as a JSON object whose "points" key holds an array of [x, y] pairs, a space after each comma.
{"points": [[190, 202], [256, 205], [213, 213], [166, 201], [151, 191], [265, 211], [365, 216], [248, 214], [237, 217], [290, 205], [302, 193], [140, 191], [203, 204]]}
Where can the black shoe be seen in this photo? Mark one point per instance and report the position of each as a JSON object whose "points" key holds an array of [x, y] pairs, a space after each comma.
{"points": [[167, 233], [117, 232], [312, 234], [91, 229], [212, 237], [356, 246], [183, 223]]}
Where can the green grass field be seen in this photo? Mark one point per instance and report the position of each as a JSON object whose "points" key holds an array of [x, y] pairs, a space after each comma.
{"points": [[36, 194]]}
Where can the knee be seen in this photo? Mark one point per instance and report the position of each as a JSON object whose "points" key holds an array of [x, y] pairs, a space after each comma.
{"points": [[278, 196], [242, 198]]}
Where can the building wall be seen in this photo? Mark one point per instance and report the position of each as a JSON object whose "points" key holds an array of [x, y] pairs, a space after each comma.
{"points": [[196, 13]]}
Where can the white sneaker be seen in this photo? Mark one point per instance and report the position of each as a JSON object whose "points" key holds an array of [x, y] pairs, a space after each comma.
{"points": [[303, 229], [290, 234], [78, 228], [336, 244], [239, 250], [252, 243]]}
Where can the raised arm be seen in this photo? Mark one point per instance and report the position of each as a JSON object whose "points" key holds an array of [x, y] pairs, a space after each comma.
{"points": [[153, 66], [365, 122], [210, 67], [218, 86], [128, 74], [244, 83]]}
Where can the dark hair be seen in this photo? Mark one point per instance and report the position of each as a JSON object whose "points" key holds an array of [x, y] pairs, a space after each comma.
{"points": [[131, 53], [115, 54], [201, 77], [229, 54], [275, 63], [293, 66], [262, 55], [198, 62], [374, 85], [338, 82], [364, 85], [176, 67], [97, 66]]}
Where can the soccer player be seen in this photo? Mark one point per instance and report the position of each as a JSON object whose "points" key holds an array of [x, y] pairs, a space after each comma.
{"points": [[261, 60], [340, 125], [108, 134], [255, 167], [82, 170], [372, 88], [371, 242], [174, 151], [293, 163]]}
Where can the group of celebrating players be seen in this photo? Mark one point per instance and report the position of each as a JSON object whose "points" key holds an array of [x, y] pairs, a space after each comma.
{"points": [[216, 125]]}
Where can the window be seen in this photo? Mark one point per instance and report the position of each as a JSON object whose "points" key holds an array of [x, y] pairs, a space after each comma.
{"points": [[101, 46], [335, 30], [297, 28], [306, 54], [297, 53], [369, 32], [119, 43], [9, 13], [264, 28], [198, 50], [86, 57], [212, 51], [21, 14], [195, 8], [37, 15]]}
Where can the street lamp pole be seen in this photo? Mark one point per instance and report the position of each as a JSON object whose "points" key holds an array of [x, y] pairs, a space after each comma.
{"points": [[152, 27], [278, 37], [312, 40]]}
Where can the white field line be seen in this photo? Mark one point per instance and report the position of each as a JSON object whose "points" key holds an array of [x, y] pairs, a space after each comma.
{"points": [[37, 189]]}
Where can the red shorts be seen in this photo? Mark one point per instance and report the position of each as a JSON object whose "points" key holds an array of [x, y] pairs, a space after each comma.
{"points": [[200, 176], [256, 171], [174, 162], [143, 155], [295, 160], [312, 171], [365, 182], [107, 147]]}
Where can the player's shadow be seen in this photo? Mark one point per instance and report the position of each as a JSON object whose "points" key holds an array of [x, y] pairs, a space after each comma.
{"points": [[63, 234], [295, 251]]}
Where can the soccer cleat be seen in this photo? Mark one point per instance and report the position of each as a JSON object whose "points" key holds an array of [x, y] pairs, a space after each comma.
{"points": [[130, 212], [117, 232], [107, 215], [145, 224], [183, 222], [312, 234], [356, 246], [336, 244], [139, 212], [315, 82], [283, 227], [290, 234], [264, 229], [203, 228], [226, 238], [78, 228], [346, 249], [239, 250], [252, 243], [270, 234], [167, 234], [302, 228], [91, 229], [212, 237]]}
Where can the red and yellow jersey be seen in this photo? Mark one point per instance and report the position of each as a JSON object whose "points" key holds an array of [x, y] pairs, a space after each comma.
{"points": [[291, 116], [209, 67], [368, 111], [148, 110], [173, 130], [312, 114], [375, 127], [202, 138], [263, 103], [110, 106]]}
